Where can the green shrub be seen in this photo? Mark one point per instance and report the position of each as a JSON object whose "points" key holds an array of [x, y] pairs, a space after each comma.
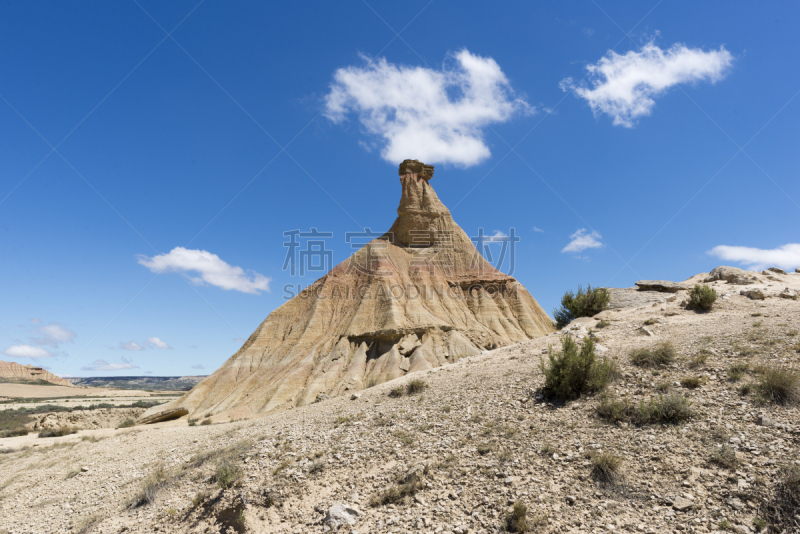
{"points": [[205, 422], [701, 297], [407, 486], [22, 431], [227, 473], [699, 359], [151, 486], [779, 385], [605, 467], [655, 356], [725, 456], [691, 382], [737, 370], [583, 304], [415, 386], [666, 409], [517, 518], [397, 392], [573, 371], [779, 507], [127, 423], [612, 409], [602, 324], [58, 432]]}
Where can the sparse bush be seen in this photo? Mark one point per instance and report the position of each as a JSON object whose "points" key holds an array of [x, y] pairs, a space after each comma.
{"points": [[779, 507], [602, 324], [745, 389], [613, 410], [701, 297], [192, 422], [205, 422], [605, 467], [547, 449], [397, 392], [517, 518], [666, 409], [583, 304], [651, 321], [573, 371], [317, 467], [484, 449], [57, 432], [663, 387], [406, 438], [22, 431], [151, 487], [199, 498], [407, 486], [127, 423], [725, 456], [228, 473], [737, 370], [779, 385], [759, 524], [415, 386], [656, 356], [691, 382], [699, 359]]}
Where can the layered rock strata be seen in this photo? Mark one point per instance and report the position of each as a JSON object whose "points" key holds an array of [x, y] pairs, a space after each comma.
{"points": [[418, 297]]}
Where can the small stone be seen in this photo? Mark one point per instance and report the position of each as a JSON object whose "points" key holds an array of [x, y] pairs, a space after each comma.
{"points": [[680, 504], [763, 420], [84, 469], [355, 396], [341, 514], [571, 499]]}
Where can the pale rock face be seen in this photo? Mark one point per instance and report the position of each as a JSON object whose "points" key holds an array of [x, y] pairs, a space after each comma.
{"points": [[732, 275], [416, 298], [14, 370]]}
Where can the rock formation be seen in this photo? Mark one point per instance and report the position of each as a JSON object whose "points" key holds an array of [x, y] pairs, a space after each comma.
{"points": [[418, 297], [25, 373]]}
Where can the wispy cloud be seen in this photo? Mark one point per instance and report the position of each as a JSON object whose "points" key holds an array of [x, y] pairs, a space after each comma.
{"points": [[436, 116], [27, 351], [130, 345], [157, 343], [581, 240], [786, 256], [208, 268], [538, 230], [624, 85], [102, 365], [198, 366], [51, 334]]}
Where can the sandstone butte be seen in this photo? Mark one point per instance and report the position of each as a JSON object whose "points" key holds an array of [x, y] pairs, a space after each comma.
{"points": [[14, 371], [418, 297]]}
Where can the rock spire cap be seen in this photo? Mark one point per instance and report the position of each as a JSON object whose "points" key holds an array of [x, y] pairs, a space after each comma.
{"points": [[413, 166]]}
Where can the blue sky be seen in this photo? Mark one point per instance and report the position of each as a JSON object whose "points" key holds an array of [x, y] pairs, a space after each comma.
{"points": [[621, 141]]}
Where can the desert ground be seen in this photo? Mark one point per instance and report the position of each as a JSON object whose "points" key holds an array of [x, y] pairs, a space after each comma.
{"points": [[458, 448]]}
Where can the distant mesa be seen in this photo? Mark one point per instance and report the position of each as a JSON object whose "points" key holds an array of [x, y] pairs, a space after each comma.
{"points": [[14, 372], [418, 297]]}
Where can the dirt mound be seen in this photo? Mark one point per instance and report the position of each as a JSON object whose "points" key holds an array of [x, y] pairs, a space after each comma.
{"points": [[418, 297], [85, 419]]}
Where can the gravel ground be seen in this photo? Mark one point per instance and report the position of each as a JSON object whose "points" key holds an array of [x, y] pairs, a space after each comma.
{"points": [[455, 456]]}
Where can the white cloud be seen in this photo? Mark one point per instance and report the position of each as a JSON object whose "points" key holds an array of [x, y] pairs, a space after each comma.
{"points": [[209, 268], [198, 366], [27, 351], [623, 86], [102, 365], [436, 116], [538, 230], [581, 240], [157, 343], [238, 340], [51, 334], [130, 345], [786, 256], [498, 236]]}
